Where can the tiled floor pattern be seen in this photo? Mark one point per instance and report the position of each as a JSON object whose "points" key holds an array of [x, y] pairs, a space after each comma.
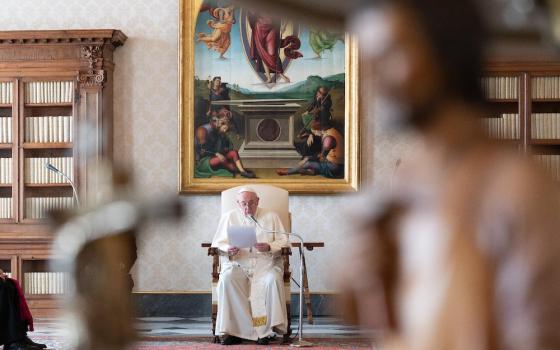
{"points": [[176, 333]]}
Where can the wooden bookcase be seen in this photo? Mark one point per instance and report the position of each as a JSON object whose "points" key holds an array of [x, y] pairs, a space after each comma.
{"points": [[536, 130], [56, 90]]}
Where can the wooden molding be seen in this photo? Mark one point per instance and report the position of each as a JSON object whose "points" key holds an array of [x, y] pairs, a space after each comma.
{"points": [[99, 36], [84, 57]]}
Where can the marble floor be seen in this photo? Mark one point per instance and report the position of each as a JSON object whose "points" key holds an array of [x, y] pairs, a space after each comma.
{"points": [[177, 327], [175, 333]]}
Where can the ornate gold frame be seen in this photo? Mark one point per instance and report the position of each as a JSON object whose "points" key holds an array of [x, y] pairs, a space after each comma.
{"points": [[303, 184]]}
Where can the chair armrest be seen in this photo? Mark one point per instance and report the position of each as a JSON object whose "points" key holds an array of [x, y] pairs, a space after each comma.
{"points": [[213, 251], [215, 254], [286, 252], [309, 245]]}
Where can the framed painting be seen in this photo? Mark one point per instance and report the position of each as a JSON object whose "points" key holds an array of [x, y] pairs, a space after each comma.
{"points": [[265, 100]]}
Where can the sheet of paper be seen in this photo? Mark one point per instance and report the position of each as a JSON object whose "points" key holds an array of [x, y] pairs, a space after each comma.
{"points": [[242, 236]]}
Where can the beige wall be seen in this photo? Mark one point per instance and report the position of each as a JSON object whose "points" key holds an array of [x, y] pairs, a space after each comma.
{"points": [[146, 104]]}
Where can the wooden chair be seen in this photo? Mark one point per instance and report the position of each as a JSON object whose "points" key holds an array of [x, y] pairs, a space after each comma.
{"points": [[272, 198]]}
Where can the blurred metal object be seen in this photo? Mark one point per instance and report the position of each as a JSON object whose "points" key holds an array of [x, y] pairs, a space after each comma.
{"points": [[52, 168], [97, 246], [554, 11]]}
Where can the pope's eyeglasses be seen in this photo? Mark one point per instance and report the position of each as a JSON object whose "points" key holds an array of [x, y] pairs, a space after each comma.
{"points": [[247, 204]]}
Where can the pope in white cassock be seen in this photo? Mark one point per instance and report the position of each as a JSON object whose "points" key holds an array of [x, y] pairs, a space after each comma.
{"points": [[251, 300]]}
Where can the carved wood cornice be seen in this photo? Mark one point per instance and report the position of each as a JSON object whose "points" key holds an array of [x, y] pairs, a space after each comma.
{"points": [[92, 48], [97, 36], [95, 74]]}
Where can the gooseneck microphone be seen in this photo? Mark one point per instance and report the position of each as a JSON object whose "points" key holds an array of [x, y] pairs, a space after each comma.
{"points": [[276, 231], [52, 168], [300, 343]]}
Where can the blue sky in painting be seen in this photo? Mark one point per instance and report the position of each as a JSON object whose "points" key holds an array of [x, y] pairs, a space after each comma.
{"points": [[237, 69]]}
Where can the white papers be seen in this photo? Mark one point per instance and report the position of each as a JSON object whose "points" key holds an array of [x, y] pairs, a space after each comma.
{"points": [[242, 236]]}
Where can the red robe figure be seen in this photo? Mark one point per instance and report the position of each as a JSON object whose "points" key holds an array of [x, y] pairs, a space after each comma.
{"points": [[266, 42], [15, 318]]}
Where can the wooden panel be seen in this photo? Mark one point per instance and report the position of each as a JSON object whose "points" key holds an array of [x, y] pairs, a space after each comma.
{"points": [[52, 55]]}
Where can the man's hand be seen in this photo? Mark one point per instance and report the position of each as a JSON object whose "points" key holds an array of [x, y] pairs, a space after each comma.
{"points": [[233, 251], [262, 247], [221, 157], [310, 140]]}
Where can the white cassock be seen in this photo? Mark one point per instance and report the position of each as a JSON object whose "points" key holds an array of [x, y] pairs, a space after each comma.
{"points": [[251, 300]]}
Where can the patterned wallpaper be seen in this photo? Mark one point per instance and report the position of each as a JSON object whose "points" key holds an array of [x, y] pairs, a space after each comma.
{"points": [[146, 124]]}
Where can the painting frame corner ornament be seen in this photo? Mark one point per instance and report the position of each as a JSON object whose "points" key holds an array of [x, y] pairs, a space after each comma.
{"points": [[265, 100]]}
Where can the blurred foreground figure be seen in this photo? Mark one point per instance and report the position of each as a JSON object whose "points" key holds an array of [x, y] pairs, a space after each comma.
{"points": [[97, 245], [463, 254]]}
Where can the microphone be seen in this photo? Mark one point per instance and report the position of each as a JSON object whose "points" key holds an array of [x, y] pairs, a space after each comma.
{"points": [[300, 342], [275, 231], [252, 217], [52, 168]]}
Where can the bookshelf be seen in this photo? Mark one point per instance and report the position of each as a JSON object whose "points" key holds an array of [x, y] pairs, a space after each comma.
{"points": [[523, 108], [52, 84]]}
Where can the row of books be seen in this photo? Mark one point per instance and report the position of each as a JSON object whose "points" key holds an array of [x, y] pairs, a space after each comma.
{"points": [[48, 129], [500, 87], [504, 127], [6, 92], [5, 170], [5, 130], [38, 207], [545, 126], [5, 207], [45, 282], [37, 173], [49, 92], [546, 87], [551, 162]]}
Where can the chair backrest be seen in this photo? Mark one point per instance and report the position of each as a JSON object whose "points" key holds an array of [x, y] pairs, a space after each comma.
{"points": [[271, 197]]}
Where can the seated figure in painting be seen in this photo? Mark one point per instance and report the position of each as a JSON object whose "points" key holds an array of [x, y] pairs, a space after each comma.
{"points": [[319, 109], [15, 317], [215, 154], [220, 92], [329, 162]]}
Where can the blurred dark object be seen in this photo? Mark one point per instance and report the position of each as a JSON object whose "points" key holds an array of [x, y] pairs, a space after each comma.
{"points": [[518, 28], [456, 256], [98, 246], [332, 14]]}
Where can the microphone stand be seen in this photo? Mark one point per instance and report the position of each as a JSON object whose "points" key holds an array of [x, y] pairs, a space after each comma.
{"points": [[300, 343], [52, 168]]}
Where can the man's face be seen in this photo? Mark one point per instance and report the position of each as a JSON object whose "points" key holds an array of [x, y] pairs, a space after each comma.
{"points": [[248, 203], [317, 132], [217, 83], [223, 126]]}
